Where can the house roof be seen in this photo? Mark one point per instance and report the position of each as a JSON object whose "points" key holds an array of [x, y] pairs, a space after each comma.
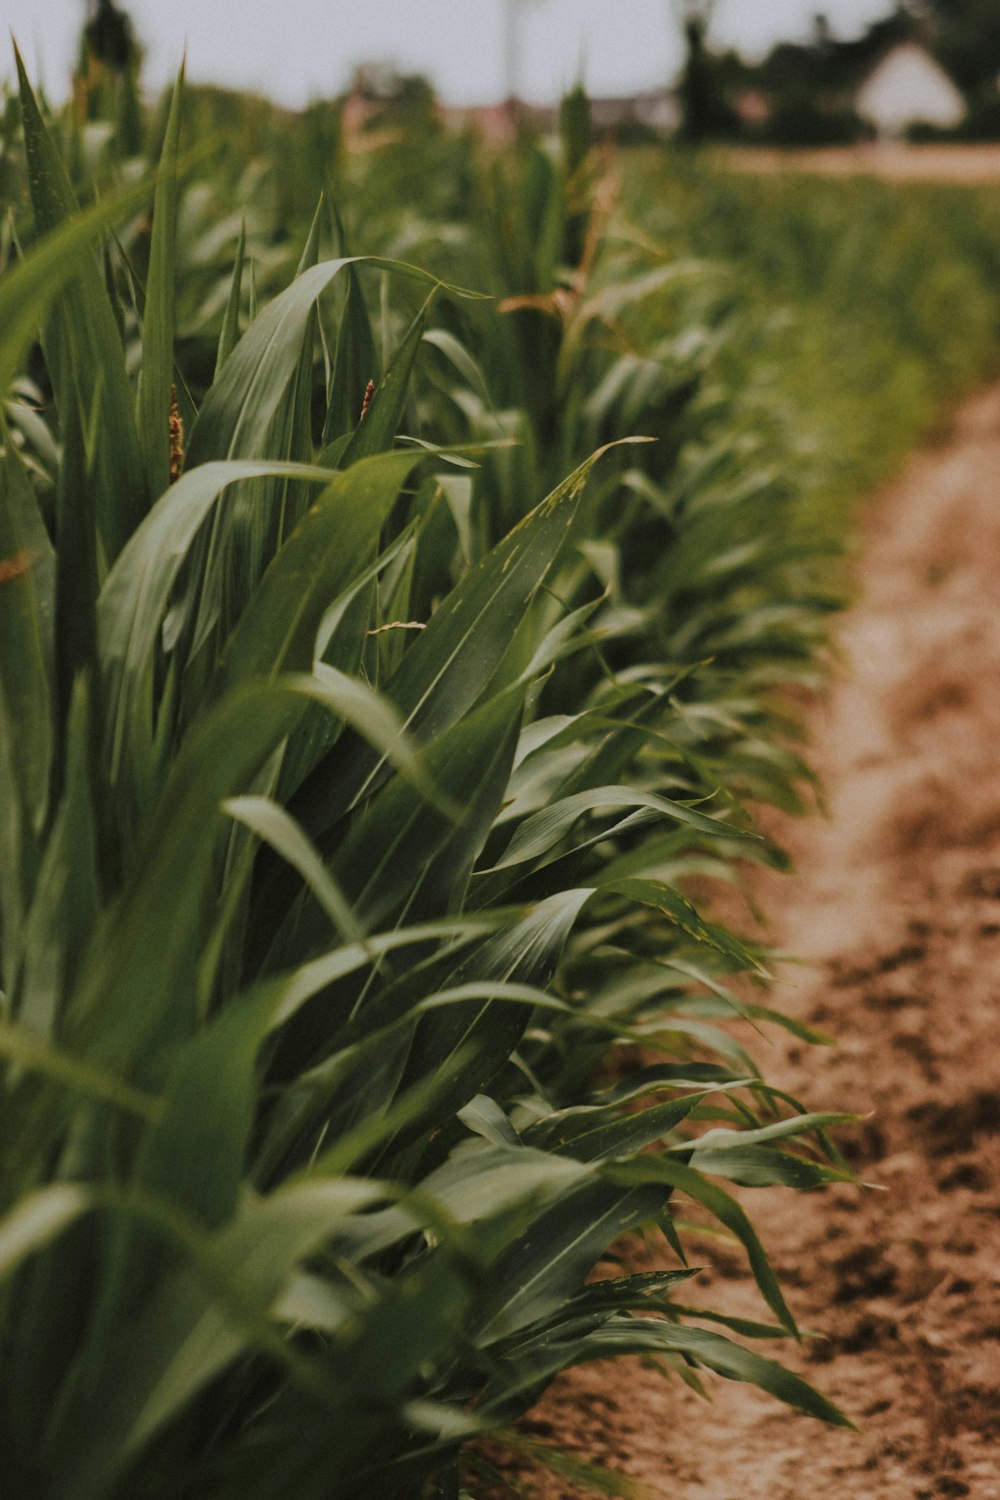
{"points": [[907, 86]]}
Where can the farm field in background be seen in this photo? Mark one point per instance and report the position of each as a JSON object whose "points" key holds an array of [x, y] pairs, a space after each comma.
{"points": [[414, 561]]}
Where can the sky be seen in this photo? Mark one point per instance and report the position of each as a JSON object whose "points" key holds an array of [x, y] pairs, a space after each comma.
{"points": [[295, 50]]}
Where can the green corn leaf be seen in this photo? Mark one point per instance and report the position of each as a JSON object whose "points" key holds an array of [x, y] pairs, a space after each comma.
{"points": [[527, 953], [241, 408], [715, 1140], [646, 1290], [340, 642], [447, 667], [198, 1321], [472, 1007], [134, 598], [72, 1072], [260, 406], [672, 905], [404, 860], [332, 544], [18, 856], [193, 1154], [37, 1220], [385, 413], [294, 988], [156, 378], [154, 935], [150, 941], [460, 358], [492, 989], [361, 1077], [310, 250], [569, 1469], [596, 1134], [484, 1117], [724, 1357], [400, 832], [83, 346], [761, 1166], [745, 1327], [67, 895], [538, 1273], [691, 1075], [537, 835], [356, 362], [377, 719], [269, 821], [28, 290], [724, 1208], [450, 663], [78, 552], [230, 334], [492, 1181], [27, 622], [360, 1143]]}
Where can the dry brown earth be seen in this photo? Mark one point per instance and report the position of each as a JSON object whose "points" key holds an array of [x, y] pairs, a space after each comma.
{"points": [[895, 162], [896, 909]]}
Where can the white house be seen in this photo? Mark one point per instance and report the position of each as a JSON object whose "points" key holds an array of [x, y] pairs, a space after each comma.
{"points": [[906, 88]]}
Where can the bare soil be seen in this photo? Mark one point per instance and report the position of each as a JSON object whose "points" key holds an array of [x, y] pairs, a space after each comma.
{"points": [[893, 161], [895, 908]]}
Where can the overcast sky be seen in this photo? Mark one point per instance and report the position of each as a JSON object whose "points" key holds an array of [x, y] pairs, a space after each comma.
{"points": [[301, 49]]}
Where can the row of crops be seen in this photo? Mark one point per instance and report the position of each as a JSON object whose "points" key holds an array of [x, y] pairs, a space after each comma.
{"points": [[379, 708]]}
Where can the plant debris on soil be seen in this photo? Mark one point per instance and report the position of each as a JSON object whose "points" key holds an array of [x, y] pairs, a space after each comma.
{"points": [[895, 909]]}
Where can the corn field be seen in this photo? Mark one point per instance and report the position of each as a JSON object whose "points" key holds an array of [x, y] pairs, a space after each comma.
{"points": [[412, 563]]}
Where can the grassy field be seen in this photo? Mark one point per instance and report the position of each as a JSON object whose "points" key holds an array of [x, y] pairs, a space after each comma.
{"points": [[408, 557]]}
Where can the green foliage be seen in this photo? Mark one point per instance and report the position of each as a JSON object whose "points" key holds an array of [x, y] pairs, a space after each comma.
{"points": [[352, 786]]}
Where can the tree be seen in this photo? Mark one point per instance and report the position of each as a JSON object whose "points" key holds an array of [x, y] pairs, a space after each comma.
{"points": [[966, 37], [704, 109], [106, 82], [108, 36]]}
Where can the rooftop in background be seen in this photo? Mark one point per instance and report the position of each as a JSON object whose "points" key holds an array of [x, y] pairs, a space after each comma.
{"points": [[908, 85]]}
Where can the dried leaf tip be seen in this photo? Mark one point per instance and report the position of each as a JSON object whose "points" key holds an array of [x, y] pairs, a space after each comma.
{"points": [[399, 625], [176, 438], [15, 566]]}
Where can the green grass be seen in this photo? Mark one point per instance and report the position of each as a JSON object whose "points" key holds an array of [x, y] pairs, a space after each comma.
{"points": [[351, 781]]}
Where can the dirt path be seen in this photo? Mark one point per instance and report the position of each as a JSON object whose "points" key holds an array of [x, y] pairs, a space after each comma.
{"points": [[896, 907], [895, 162]]}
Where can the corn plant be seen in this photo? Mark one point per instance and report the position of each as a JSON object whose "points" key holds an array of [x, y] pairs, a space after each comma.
{"points": [[329, 876]]}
